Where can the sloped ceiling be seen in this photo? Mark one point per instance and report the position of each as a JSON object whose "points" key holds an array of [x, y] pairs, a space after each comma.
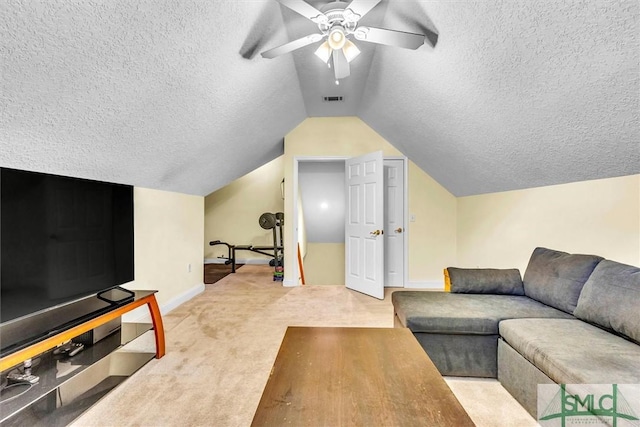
{"points": [[174, 95], [151, 93], [516, 94]]}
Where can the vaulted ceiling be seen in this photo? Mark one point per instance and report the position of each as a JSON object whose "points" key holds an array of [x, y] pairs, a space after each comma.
{"points": [[174, 95]]}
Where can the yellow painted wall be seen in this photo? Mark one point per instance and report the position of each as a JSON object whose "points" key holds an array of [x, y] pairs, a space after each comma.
{"points": [[324, 264], [432, 237], [232, 212], [168, 237], [433, 206], [493, 230], [600, 217]]}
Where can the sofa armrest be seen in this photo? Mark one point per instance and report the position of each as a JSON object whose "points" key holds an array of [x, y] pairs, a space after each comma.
{"points": [[484, 281]]}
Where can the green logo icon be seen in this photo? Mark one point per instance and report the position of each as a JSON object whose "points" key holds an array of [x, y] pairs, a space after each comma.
{"points": [[588, 404]]}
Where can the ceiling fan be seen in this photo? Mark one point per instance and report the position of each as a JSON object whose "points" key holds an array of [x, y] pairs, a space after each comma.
{"points": [[337, 21]]}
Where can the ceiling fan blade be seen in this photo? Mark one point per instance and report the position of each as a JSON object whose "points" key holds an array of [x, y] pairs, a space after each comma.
{"points": [[389, 37], [361, 7], [340, 64], [291, 46], [304, 9]]}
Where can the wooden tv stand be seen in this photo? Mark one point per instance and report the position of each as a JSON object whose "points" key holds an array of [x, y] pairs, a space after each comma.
{"points": [[141, 298], [78, 374]]}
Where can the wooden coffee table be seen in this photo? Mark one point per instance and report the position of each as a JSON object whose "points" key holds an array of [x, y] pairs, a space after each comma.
{"points": [[356, 377]]}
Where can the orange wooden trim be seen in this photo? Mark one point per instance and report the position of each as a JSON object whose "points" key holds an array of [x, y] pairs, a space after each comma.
{"points": [[158, 327], [300, 265], [55, 340], [447, 281]]}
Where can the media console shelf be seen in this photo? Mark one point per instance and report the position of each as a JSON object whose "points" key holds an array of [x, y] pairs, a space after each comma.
{"points": [[109, 356]]}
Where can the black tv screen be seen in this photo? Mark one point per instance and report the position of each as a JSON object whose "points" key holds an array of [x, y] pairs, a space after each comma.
{"points": [[61, 239]]}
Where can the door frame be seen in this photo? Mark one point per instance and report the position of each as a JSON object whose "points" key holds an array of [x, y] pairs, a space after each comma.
{"points": [[405, 203], [293, 228]]}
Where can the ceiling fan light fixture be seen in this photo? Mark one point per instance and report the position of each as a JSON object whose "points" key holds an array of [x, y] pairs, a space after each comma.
{"points": [[337, 37], [350, 51], [324, 52], [338, 22]]}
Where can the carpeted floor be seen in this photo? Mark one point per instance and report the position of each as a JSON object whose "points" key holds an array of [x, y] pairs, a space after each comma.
{"points": [[221, 346]]}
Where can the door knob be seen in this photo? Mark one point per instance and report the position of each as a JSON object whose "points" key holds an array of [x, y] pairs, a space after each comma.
{"points": [[375, 233], [399, 230]]}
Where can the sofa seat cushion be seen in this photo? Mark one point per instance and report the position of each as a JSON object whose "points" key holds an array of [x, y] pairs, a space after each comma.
{"points": [[611, 298], [556, 278], [570, 351], [447, 313]]}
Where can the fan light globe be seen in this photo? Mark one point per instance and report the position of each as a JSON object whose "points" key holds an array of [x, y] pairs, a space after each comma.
{"points": [[350, 50], [324, 52], [336, 38]]}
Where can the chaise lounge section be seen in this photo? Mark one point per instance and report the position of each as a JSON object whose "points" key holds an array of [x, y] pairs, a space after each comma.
{"points": [[573, 319]]}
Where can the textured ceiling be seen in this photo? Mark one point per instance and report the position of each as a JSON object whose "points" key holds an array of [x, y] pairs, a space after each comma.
{"points": [[174, 95], [516, 94], [151, 93]]}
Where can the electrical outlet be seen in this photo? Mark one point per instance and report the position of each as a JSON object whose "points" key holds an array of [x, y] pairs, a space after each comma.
{"points": [[412, 218]]}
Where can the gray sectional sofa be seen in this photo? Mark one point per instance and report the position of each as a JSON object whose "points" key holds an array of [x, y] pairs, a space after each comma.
{"points": [[572, 319]]}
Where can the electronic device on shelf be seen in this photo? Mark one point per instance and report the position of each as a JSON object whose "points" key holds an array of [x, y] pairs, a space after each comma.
{"points": [[25, 376], [69, 349]]}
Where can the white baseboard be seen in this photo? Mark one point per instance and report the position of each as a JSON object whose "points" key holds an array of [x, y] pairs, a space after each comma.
{"points": [[435, 285], [215, 260], [141, 314], [238, 260], [290, 283]]}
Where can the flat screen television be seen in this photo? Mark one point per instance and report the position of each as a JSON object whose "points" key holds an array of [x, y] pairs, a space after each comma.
{"points": [[62, 240]]}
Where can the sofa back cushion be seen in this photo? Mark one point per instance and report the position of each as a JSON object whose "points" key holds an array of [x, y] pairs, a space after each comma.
{"points": [[611, 299], [485, 281], [556, 278]]}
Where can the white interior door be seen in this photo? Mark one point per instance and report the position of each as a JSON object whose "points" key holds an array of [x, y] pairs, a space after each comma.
{"points": [[394, 223], [364, 242]]}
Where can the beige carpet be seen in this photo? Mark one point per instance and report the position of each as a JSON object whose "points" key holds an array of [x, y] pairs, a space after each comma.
{"points": [[221, 346]]}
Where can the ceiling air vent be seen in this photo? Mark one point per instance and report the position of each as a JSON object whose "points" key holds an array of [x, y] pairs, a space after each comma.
{"points": [[333, 98]]}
